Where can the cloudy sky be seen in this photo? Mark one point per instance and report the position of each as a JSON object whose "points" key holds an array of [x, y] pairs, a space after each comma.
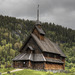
{"points": [[60, 12]]}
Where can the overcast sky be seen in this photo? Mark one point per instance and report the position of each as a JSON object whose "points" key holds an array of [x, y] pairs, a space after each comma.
{"points": [[60, 12]]}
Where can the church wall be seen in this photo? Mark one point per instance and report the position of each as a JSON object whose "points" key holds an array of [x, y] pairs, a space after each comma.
{"points": [[32, 43], [64, 63], [17, 64], [53, 66], [20, 64], [38, 65], [50, 55], [40, 36], [36, 33], [28, 64]]}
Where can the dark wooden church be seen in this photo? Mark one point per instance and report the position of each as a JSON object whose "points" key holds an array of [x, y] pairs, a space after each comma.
{"points": [[38, 52]]}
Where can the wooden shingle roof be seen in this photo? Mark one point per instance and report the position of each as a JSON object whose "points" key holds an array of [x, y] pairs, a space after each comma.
{"points": [[24, 56], [46, 45], [40, 30], [31, 57], [54, 60], [35, 58]]}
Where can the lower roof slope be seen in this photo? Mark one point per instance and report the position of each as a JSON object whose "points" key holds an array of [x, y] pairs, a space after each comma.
{"points": [[32, 57], [35, 58]]}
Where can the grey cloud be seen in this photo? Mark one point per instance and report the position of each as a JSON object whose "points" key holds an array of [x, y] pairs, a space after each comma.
{"points": [[57, 11]]}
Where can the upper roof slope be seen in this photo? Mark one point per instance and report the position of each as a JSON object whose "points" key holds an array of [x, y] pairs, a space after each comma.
{"points": [[48, 46], [45, 45]]}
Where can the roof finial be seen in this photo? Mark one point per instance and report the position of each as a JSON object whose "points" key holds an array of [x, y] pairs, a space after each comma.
{"points": [[38, 15]]}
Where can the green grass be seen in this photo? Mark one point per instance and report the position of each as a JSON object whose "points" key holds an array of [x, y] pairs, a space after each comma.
{"points": [[29, 72], [64, 74], [33, 72]]}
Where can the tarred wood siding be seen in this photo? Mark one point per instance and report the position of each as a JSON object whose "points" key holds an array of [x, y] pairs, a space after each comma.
{"points": [[19, 64], [38, 65], [40, 36], [50, 55], [34, 45], [28, 51], [63, 59], [53, 66], [36, 32]]}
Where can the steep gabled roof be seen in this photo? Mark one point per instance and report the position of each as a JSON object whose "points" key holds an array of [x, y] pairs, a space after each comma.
{"points": [[48, 46], [45, 45], [40, 30], [62, 54], [24, 44]]}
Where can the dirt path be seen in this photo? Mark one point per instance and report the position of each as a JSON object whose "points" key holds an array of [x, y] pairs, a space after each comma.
{"points": [[13, 71]]}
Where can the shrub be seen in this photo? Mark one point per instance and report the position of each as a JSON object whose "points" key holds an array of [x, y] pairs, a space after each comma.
{"points": [[72, 69], [49, 73]]}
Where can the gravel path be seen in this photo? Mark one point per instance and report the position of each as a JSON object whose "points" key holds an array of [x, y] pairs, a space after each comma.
{"points": [[13, 71]]}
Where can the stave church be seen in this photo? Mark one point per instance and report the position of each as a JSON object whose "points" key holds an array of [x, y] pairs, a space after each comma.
{"points": [[39, 52]]}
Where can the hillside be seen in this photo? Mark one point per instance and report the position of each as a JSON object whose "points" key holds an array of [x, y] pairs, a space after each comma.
{"points": [[13, 33]]}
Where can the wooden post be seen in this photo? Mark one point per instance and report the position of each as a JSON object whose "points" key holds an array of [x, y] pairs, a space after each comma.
{"points": [[64, 64], [44, 65], [29, 64]]}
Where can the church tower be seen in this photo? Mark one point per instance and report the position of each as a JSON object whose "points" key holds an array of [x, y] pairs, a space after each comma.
{"points": [[38, 31]]}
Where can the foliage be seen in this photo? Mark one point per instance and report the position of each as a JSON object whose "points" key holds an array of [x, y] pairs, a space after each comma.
{"points": [[3, 69], [13, 33], [72, 69], [29, 72]]}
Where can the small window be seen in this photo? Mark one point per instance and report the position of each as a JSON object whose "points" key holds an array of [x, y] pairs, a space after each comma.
{"points": [[24, 62], [51, 55], [57, 56], [45, 54]]}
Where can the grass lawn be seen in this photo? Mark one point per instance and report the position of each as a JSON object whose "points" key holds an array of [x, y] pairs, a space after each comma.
{"points": [[28, 72], [33, 72], [64, 74]]}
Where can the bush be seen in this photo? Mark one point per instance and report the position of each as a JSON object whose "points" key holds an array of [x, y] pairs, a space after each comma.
{"points": [[72, 69], [49, 73]]}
